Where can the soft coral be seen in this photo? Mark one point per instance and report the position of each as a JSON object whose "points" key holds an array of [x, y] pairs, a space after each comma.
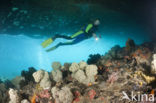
{"points": [[92, 94]]}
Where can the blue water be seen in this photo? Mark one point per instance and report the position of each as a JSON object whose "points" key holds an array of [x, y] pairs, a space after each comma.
{"points": [[20, 52]]}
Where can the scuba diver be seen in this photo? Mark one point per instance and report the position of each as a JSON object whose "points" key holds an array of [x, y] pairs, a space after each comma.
{"points": [[85, 33]]}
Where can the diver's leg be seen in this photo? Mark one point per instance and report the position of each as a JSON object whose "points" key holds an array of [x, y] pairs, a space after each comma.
{"points": [[60, 44], [51, 39], [62, 36], [47, 42]]}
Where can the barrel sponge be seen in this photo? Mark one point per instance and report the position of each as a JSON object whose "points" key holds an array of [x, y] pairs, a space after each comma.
{"points": [[45, 82], [82, 65], [91, 70], [57, 75], [25, 101], [74, 67], [38, 75], [56, 65], [63, 95], [90, 79], [79, 76], [14, 98]]}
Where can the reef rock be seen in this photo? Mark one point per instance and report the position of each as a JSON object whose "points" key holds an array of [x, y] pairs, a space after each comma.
{"points": [[63, 95], [130, 45], [154, 64], [38, 75], [14, 98], [3, 93], [2, 87], [115, 53]]}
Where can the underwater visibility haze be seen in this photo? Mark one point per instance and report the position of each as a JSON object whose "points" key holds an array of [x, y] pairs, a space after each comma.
{"points": [[26, 24]]}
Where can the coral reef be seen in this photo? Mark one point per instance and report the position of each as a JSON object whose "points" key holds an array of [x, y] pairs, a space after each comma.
{"points": [[63, 95], [56, 72], [130, 45], [17, 80], [25, 101], [83, 73], [116, 52], [93, 59], [42, 78], [3, 93], [127, 70], [45, 82], [28, 74], [14, 97], [38, 75]]}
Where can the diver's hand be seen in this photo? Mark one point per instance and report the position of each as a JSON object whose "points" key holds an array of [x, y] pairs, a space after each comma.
{"points": [[94, 35]]}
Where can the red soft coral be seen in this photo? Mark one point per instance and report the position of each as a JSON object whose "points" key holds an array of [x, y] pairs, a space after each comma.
{"points": [[77, 94], [113, 77], [91, 94]]}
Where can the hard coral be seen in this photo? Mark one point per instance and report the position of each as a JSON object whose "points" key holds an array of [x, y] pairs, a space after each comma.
{"points": [[14, 97], [56, 65]]}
